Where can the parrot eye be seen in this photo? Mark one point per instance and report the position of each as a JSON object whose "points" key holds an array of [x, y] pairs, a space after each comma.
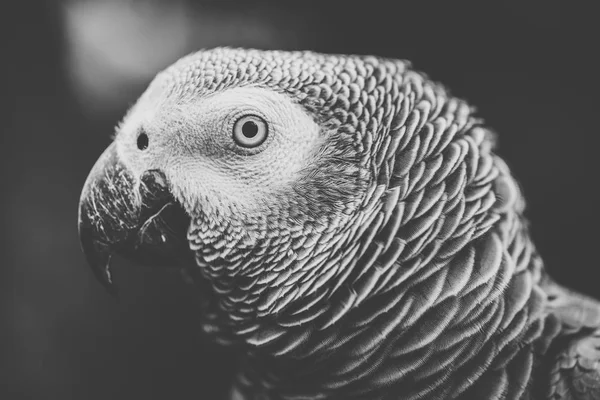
{"points": [[250, 131], [142, 141]]}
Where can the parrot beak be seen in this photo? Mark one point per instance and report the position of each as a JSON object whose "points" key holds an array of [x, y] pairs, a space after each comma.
{"points": [[137, 218]]}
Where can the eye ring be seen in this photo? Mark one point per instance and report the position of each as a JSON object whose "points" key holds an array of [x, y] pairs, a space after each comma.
{"points": [[250, 131]]}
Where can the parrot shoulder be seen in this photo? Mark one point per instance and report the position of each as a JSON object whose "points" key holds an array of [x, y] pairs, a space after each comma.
{"points": [[575, 373]]}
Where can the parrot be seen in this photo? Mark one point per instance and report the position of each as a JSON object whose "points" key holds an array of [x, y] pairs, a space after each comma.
{"points": [[350, 228]]}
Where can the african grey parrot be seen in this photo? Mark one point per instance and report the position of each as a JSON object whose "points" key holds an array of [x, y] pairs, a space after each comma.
{"points": [[350, 227]]}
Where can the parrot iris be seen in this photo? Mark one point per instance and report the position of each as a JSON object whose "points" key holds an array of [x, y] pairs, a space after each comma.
{"points": [[350, 225]]}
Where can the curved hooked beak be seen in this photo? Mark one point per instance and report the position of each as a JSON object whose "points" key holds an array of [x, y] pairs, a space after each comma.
{"points": [[137, 218]]}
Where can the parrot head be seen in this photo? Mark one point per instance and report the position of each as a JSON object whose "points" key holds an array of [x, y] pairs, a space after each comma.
{"points": [[254, 166], [350, 192]]}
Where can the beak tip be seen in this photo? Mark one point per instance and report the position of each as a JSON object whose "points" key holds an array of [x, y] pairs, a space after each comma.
{"points": [[97, 255], [104, 275], [100, 263]]}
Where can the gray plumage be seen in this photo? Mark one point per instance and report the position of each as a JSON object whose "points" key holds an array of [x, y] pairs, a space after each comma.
{"points": [[372, 246]]}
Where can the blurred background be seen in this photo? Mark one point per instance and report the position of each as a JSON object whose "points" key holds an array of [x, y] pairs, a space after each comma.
{"points": [[72, 68]]}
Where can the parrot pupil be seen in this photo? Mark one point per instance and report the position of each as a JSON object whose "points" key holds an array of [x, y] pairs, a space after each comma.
{"points": [[249, 129], [142, 141]]}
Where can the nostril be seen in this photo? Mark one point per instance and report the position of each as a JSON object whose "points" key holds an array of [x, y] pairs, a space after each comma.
{"points": [[142, 141]]}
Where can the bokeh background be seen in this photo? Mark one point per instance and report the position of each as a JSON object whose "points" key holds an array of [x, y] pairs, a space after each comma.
{"points": [[71, 69]]}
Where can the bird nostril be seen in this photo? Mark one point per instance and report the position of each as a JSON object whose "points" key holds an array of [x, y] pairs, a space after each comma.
{"points": [[142, 141]]}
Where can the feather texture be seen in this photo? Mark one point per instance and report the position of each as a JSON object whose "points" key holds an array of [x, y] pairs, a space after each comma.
{"points": [[397, 263]]}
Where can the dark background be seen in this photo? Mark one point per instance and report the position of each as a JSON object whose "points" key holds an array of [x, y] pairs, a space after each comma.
{"points": [[71, 69]]}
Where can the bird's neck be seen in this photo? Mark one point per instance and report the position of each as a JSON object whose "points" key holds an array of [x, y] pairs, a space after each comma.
{"points": [[463, 361], [421, 340]]}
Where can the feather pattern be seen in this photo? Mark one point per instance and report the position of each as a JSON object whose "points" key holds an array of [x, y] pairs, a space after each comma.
{"points": [[399, 265]]}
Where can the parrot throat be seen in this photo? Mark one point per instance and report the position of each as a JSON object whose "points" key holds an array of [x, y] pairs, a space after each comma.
{"points": [[414, 341]]}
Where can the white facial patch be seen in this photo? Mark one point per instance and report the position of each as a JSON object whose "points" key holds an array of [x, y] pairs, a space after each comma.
{"points": [[203, 161], [152, 115]]}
